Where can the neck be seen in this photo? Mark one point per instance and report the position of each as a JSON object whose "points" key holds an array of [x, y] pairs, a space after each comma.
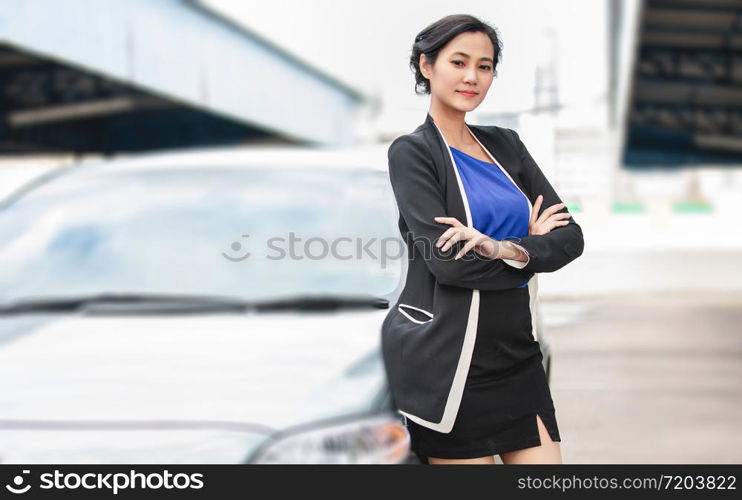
{"points": [[452, 124]]}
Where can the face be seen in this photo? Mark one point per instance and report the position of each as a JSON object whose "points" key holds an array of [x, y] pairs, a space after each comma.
{"points": [[462, 74]]}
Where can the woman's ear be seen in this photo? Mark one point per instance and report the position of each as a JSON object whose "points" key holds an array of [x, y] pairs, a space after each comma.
{"points": [[424, 66]]}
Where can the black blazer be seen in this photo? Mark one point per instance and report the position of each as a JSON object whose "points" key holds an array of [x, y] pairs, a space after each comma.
{"points": [[428, 336]]}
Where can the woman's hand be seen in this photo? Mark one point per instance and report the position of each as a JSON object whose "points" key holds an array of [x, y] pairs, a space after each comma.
{"points": [[547, 221], [480, 243]]}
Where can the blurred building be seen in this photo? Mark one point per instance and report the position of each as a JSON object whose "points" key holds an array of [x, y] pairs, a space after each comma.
{"points": [[135, 75], [684, 94]]}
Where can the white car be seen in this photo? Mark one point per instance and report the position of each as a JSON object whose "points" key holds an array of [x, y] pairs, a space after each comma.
{"points": [[213, 306]]}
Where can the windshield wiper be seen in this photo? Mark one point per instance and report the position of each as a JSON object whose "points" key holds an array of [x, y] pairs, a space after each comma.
{"points": [[111, 302], [107, 303], [322, 303]]}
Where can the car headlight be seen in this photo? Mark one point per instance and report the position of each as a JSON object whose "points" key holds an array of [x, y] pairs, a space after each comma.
{"points": [[380, 439]]}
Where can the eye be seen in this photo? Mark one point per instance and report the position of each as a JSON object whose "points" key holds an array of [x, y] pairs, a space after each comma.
{"points": [[457, 62], [486, 67]]}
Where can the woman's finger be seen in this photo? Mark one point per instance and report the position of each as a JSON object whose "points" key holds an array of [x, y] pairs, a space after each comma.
{"points": [[469, 245], [453, 239], [552, 224], [562, 219], [549, 211], [462, 234], [536, 208], [449, 220], [446, 234], [552, 209], [561, 215], [449, 242]]}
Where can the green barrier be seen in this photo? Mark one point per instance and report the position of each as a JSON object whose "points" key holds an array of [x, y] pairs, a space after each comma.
{"points": [[628, 207], [685, 207]]}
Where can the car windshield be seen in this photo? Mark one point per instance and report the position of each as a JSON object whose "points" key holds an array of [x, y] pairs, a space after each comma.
{"points": [[252, 233]]}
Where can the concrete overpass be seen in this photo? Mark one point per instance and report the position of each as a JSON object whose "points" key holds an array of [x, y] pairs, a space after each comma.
{"points": [[134, 75]]}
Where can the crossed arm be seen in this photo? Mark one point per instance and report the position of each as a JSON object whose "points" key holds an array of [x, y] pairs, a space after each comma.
{"points": [[561, 245], [420, 201]]}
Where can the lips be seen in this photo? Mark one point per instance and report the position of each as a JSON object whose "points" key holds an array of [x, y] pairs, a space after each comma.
{"points": [[467, 93]]}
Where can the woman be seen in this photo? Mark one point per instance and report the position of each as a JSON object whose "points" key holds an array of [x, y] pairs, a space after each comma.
{"points": [[460, 351]]}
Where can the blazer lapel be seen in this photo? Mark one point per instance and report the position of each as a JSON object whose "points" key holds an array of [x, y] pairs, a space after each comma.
{"points": [[448, 174], [503, 153]]}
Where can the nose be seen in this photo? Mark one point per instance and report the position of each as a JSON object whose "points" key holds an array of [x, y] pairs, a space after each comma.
{"points": [[470, 76]]}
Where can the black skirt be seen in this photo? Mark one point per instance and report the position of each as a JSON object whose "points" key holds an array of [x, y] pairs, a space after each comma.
{"points": [[506, 387]]}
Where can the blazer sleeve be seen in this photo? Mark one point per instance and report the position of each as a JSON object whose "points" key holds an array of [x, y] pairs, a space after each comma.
{"points": [[557, 248], [420, 199]]}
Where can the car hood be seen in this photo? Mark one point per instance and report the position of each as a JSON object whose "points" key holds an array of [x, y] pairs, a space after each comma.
{"points": [[188, 389]]}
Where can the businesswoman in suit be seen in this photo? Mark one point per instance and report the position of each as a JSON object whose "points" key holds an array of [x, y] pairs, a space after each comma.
{"points": [[460, 348]]}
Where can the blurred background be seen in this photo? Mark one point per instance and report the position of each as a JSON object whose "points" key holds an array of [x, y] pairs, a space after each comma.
{"points": [[633, 110]]}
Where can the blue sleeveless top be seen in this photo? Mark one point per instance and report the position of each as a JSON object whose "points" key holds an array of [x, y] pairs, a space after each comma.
{"points": [[498, 208]]}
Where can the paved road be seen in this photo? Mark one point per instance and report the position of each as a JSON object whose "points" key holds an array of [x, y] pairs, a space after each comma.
{"points": [[648, 378]]}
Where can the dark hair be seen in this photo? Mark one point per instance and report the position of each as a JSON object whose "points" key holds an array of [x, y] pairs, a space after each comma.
{"points": [[432, 39]]}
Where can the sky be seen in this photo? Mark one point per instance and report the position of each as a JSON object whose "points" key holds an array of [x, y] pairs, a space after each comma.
{"points": [[367, 46]]}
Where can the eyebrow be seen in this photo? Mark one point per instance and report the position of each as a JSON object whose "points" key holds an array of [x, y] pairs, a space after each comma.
{"points": [[467, 55]]}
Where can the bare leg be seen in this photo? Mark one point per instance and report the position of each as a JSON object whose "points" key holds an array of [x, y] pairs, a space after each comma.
{"points": [[548, 453], [462, 461]]}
